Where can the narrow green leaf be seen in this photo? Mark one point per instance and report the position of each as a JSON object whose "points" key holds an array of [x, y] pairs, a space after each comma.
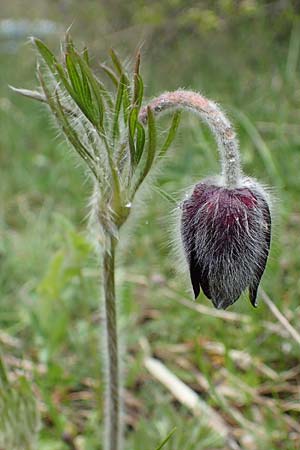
{"points": [[85, 85], [172, 133], [118, 105], [166, 439], [118, 65], [126, 103], [97, 90], [69, 132], [62, 76], [35, 95], [46, 54], [74, 76], [69, 45], [75, 95], [138, 85], [53, 65], [56, 68], [103, 91], [74, 139], [111, 74], [3, 374], [47, 93], [132, 120], [137, 62], [151, 141], [165, 195], [121, 155], [133, 116], [77, 99], [78, 78], [140, 141], [74, 88], [86, 56], [138, 90], [116, 61], [150, 153]]}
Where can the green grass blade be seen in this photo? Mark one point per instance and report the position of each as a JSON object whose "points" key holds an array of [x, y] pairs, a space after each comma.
{"points": [[261, 147], [166, 196], [19, 418], [3, 374], [172, 133], [166, 439], [293, 54]]}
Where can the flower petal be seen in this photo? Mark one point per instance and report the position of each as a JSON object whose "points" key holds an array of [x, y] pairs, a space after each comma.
{"points": [[262, 260], [199, 277]]}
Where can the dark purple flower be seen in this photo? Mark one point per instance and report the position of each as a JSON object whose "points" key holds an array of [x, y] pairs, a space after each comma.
{"points": [[226, 237]]}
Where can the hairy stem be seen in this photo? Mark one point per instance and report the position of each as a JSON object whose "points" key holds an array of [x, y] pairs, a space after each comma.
{"points": [[217, 121], [113, 398]]}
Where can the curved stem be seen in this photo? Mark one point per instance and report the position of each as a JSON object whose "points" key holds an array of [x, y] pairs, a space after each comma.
{"points": [[217, 121], [113, 397]]}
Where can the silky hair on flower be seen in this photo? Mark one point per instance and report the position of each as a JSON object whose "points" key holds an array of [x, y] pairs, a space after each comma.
{"points": [[226, 221]]}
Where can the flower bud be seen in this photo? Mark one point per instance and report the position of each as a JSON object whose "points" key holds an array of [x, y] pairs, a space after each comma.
{"points": [[226, 238]]}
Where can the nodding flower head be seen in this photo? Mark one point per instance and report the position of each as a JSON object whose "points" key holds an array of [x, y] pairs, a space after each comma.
{"points": [[226, 238], [226, 222]]}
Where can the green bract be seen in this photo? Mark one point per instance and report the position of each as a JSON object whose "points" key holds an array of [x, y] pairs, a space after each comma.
{"points": [[102, 126]]}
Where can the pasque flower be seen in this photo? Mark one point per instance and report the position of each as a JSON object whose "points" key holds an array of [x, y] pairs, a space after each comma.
{"points": [[226, 238], [226, 222]]}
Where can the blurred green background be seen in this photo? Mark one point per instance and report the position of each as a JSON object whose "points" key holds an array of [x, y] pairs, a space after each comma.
{"points": [[242, 54]]}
